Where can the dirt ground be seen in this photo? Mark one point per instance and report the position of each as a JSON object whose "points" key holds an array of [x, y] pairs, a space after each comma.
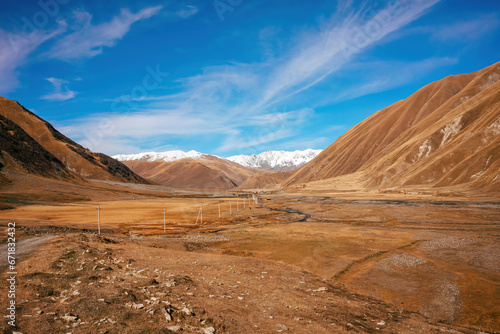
{"points": [[299, 263]]}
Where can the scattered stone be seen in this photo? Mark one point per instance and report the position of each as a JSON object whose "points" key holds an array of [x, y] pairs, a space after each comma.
{"points": [[167, 314], [137, 306], [69, 317], [283, 327], [174, 328], [209, 330], [186, 311], [381, 323]]}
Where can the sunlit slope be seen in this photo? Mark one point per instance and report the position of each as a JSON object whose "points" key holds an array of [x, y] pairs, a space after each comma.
{"points": [[444, 134]]}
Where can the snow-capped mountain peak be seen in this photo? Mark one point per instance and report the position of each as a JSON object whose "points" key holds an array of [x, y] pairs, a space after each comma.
{"points": [[276, 160], [271, 160], [164, 156]]}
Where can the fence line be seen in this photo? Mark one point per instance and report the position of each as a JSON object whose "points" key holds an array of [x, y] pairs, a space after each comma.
{"points": [[198, 217]]}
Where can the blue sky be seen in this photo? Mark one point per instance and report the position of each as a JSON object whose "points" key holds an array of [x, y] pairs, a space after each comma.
{"points": [[231, 77]]}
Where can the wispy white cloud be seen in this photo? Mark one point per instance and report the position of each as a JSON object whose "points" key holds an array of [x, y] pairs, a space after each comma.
{"points": [[15, 47], [244, 142], [61, 90], [379, 76], [267, 128], [187, 11], [320, 53], [280, 119], [305, 143], [466, 30], [239, 100], [335, 127], [87, 40]]}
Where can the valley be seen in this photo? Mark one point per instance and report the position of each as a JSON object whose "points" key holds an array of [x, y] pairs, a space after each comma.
{"points": [[331, 263]]}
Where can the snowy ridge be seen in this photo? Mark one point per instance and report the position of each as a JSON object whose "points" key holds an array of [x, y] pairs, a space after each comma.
{"points": [[271, 160], [163, 156], [276, 160]]}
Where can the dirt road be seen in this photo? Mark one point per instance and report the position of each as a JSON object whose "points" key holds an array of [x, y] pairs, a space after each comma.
{"points": [[23, 247]]}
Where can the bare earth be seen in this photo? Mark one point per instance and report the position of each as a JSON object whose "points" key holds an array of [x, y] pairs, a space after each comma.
{"points": [[297, 263], [23, 247]]}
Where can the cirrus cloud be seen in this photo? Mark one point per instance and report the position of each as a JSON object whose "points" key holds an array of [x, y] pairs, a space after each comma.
{"points": [[89, 40], [61, 91]]}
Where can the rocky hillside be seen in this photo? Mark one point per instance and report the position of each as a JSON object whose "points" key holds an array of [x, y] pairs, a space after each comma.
{"points": [[445, 134], [31, 145], [207, 173], [265, 180]]}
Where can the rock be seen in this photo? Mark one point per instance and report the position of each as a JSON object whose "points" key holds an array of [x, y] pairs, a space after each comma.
{"points": [[381, 323], [209, 330], [283, 327], [101, 267], [186, 311], [322, 289], [174, 328], [137, 306], [69, 317], [166, 313]]}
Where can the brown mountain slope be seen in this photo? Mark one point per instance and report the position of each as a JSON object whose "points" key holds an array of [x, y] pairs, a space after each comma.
{"points": [[265, 180], [19, 152], [444, 134], [208, 173], [22, 129]]}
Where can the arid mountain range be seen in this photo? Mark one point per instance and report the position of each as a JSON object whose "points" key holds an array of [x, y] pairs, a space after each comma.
{"points": [[275, 161], [31, 145], [203, 171], [445, 134], [209, 172]]}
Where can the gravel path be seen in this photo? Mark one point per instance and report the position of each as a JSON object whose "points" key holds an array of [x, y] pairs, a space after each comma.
{"points": [[23, 247]]}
